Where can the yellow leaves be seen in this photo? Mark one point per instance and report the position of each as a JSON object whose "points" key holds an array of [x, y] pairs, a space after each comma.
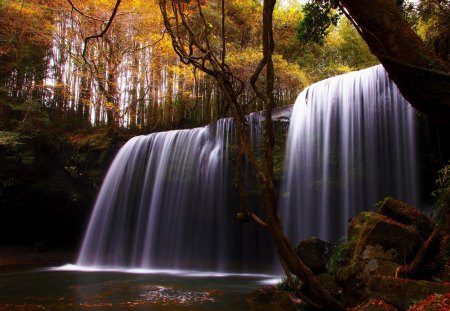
{"points": [[110, 106], [289, 75], [334, 39]]}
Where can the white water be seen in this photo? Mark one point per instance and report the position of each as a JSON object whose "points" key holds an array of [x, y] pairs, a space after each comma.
{"points": [[351, 142], [167, 201]]}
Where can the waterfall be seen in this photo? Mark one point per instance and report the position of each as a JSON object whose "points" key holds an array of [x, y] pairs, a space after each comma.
{"points": [[168, 200], [351, 142]]}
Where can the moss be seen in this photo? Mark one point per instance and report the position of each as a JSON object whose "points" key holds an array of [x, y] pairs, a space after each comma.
{"points": [[442, 195], [285, 284], [338, 256]]}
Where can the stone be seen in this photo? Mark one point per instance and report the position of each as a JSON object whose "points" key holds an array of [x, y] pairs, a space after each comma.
{"points": [[370, 228], [315, 254], [402, 293], [377, 246], [407, 215], [375, 259]]}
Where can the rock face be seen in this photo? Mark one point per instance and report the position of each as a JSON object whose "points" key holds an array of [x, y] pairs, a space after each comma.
{"points": [[315, 254], [396, 241]]}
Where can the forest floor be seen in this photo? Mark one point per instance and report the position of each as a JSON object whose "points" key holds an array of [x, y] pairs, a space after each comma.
{"points": [[22, 255]]}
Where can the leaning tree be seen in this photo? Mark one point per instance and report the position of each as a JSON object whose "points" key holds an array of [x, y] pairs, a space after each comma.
{"points": [[421, 75]]}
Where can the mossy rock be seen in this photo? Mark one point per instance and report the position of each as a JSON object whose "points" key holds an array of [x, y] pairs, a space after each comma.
{"points": [[377, 245], [402, 293], [370, 228], [315, 254], [407, 215]]}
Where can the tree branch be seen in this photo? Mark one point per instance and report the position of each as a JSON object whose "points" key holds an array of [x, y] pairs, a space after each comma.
{"points": [[86, 40], [74, 8]]}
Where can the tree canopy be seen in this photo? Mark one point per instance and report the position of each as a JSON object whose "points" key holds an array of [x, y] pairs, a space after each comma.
{"points": [[131, 78]]}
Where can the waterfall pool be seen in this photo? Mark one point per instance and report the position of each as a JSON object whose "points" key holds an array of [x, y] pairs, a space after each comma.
{"points": [[75, 288]]}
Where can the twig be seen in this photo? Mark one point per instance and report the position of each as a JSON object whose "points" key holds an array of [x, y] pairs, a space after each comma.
{"points": [[104, 30], [84, 14]]}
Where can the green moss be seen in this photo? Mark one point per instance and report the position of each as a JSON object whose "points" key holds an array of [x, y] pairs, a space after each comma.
{"points": [[442, 195], [286, 286], [381, 202], [338, 256]]}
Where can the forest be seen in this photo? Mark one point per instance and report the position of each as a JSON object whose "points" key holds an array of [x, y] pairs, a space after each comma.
{"points": [[128, 125]]}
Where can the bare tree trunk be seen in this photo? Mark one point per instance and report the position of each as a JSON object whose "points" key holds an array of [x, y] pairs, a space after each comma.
{"points": [[134, 89]]}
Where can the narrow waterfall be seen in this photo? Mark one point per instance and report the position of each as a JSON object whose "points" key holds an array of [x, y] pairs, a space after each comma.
{"points": [[167, 202], [351, 142]]}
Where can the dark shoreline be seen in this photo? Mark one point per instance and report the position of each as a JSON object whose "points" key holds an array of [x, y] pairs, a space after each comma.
{"points": [[23, 255]]}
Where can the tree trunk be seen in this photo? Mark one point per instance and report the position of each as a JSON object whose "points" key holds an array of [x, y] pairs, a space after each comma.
{"points": [[134, 89], [422, 77]]}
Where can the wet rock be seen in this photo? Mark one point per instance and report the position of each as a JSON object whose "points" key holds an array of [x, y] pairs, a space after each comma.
{"points": [[315, 254], [407, 215]]}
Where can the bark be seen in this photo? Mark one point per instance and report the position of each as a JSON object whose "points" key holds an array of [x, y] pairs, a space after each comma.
{"points": [[134, 91], [422, 77]]}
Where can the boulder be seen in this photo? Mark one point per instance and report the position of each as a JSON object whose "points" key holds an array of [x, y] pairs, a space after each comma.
{"points": [[377, 246], [315, 254], [395, 241], [407, 215], [375, 259], [402, 293]]}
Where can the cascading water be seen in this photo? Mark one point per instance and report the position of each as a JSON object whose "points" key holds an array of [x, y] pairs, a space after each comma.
{"points": [[351, 142], [166, 202]]}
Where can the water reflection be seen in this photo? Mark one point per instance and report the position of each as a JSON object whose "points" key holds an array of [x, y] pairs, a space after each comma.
{"points": [[53, 289]]}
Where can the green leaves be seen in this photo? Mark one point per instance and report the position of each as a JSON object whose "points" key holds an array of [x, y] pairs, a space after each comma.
{"points": [[319, 16]]}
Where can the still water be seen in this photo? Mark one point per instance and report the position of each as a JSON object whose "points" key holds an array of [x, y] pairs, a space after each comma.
{"points": [[69, 288]]}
